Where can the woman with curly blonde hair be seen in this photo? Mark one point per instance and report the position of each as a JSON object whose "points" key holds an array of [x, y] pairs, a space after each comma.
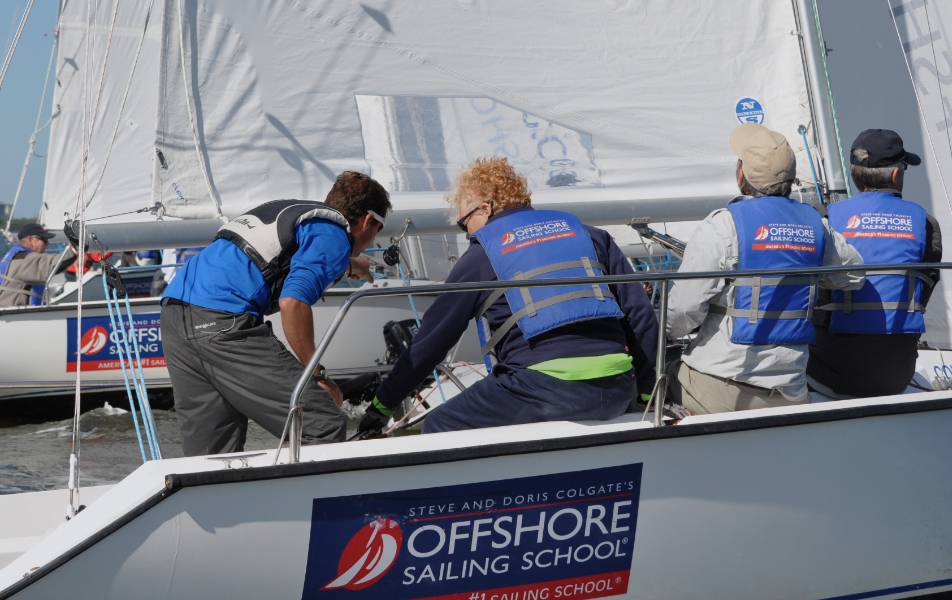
{"points": [[555, 353]]}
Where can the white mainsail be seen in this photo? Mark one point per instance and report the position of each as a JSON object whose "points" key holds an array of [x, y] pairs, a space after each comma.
{"points": [[612, 108], [925, 34], [124, 183]]}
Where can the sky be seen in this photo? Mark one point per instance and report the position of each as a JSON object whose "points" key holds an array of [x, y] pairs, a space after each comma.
{"points": [[20, 100]]}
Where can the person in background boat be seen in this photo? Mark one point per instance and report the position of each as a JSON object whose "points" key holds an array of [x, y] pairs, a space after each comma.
{"points": [[867, 341], [173, 256], [581, 357], [25, 268], [225, 363], [752, 346]]}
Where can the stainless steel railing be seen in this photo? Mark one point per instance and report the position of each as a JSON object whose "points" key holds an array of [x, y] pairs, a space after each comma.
{"points": [[294, 422]]}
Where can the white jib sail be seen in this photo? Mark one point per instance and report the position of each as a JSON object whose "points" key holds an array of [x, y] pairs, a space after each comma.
{"points": [[611, 108], [925, 33], [124, 183]]}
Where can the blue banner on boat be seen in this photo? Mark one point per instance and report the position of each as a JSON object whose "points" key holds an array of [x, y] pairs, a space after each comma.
{"points": [[99, 343], [567, 535]]}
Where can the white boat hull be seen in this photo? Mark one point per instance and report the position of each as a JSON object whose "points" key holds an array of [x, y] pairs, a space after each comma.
{"points": [[49, 368], [839, 499]]}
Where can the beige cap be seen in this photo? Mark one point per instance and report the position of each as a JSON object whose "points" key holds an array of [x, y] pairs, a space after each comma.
{"points": [[768, 158]]}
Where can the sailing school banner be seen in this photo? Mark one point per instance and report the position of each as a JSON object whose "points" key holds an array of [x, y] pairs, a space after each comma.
{"points": [[568, 535], [100, 343]]}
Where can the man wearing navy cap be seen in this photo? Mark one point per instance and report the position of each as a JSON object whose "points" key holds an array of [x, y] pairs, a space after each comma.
{"points": [[25, 268], [866, 340]]}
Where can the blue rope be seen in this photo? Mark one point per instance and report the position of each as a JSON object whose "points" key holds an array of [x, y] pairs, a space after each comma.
{"points": [[416, 316], [147, 417], [135, 380], [816, 183], [125, 378]]}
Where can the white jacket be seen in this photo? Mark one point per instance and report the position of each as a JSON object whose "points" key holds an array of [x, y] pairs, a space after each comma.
{"points": [[713, 247]]}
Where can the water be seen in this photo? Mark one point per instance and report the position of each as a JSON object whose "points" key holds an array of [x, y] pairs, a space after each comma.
{"points": [[35, 456]]}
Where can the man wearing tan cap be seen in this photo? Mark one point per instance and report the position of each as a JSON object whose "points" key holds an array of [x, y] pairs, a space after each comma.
{"points": [[751, 349]]}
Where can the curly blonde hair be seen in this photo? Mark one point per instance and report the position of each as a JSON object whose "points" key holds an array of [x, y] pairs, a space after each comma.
{"points": [[491, 179]]}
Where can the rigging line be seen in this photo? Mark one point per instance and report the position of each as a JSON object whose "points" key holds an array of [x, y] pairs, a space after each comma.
{"points": [[16, 41], [36, 129], [74, 464], [829, 90], [13, 22], [212, 192], [122, 105], [922, 112]]}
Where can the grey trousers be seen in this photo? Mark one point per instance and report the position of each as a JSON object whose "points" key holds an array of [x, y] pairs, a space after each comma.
{"points": [[229, 368], [704, 394]]}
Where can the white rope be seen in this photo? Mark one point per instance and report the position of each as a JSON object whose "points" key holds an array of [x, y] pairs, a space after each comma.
{"points": [[74, 481], [36, 130], [191, 119], [16, 41], [122, 105]]}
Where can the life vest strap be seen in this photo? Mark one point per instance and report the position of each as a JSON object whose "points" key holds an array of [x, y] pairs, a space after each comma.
{"points": [[584, 263], [760, 314], [754, 314], [511, 321], [910, 307], [14, 281]]}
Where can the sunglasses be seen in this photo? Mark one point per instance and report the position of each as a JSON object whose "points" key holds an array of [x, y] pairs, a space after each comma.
{"points": [[382, 221], [465, 218]]}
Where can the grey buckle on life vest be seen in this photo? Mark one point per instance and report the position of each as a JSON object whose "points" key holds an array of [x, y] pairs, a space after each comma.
{"points": [[526, 296]]}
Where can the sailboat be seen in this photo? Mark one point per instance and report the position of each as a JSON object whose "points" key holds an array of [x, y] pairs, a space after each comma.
{"points": [[614, 109]]}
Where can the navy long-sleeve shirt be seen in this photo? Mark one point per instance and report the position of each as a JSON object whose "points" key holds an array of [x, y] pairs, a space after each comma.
{"points": [[448, 317]]}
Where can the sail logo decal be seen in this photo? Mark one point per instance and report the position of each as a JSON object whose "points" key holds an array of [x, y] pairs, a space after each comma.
{"points": [[549, 536], [368, 555], [874, 225], [537, 233], [749, 110], [785, 236], [99, 344], [94, 341]]}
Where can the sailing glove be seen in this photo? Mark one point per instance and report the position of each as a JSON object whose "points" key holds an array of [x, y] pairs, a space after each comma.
{"points": [[375, 418]]}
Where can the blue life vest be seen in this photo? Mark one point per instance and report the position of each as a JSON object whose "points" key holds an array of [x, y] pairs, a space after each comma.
{"points": [[10, 284], [775, 232], [542, 244], [884, 229]]}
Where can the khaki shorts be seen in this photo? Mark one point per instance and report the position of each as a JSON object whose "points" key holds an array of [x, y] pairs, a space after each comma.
{"points": [[704, 394]]}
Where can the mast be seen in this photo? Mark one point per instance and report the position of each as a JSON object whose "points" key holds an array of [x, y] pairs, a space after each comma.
{"points": [[824, 126]]}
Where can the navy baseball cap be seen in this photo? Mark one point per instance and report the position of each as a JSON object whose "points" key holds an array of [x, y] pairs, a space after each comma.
{"points": [[34, 229], [883, 148]]}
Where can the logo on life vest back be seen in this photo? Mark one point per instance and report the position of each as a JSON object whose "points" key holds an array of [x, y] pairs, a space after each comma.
{"points": [[785, 236], [880, 226], [536, 233]]}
